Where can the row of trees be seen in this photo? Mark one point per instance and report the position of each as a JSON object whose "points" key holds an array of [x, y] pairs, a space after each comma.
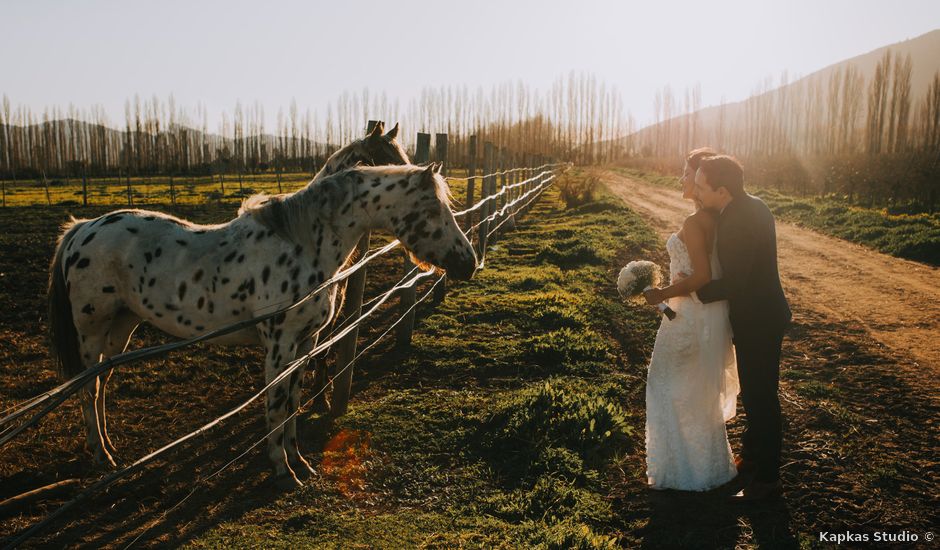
{"points": [[829, 133], [835, 132], [579, 118]]}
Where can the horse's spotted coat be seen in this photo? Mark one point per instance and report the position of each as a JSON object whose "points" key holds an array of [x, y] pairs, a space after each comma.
{"points": [[275, 252]]}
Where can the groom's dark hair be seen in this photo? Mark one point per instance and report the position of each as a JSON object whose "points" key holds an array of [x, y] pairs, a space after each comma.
{"points": [[723, 171], [695, 156]]}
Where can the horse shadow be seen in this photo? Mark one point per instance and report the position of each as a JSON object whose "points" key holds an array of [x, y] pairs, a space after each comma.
{"points": [[178, 499]]}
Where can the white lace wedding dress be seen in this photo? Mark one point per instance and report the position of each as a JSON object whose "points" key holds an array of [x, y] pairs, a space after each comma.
{"points": [[691, 390]]}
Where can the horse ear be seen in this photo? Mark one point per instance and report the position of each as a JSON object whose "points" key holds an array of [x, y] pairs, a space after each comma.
{"points": [[438, 168], [377, 130], [427, 176], [393, 133]]}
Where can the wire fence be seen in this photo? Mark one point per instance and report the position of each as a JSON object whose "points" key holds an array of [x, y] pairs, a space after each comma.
{"points": [[497, 211]]}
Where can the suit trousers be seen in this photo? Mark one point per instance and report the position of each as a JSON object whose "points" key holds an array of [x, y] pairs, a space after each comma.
{"points": [[758, 358]]}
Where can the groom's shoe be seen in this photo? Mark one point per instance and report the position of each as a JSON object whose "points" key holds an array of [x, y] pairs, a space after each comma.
{"points": [[758, 491]]}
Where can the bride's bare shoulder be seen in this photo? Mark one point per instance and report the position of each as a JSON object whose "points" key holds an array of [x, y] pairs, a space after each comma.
{"points": [[702, 221]]}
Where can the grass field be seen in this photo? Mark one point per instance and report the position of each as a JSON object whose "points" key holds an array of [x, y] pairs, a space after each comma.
{"points": [[910, 236], [515, 421], [154, 190]]}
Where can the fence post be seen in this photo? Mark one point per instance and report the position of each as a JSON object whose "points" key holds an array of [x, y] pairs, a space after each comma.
{"points": [[532, 184], [488, 207], [440, 291], [499, 181], [130, 195], [440, 147], [471, 177], [539, 161], [514, 192], [407, 295], [352, 309], [423, 148], [84, 186]]}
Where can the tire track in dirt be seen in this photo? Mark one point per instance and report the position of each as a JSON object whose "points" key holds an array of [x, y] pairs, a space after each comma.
{"points": [[896, 301]]}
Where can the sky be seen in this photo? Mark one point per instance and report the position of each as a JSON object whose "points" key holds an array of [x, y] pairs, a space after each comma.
{"points": [[56, 52]]}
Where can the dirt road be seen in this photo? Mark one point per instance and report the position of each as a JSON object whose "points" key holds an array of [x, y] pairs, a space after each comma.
{"points": [[896, 301]]}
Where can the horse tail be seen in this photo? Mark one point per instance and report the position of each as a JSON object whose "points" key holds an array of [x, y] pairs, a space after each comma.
{"points": [[63, 336]]}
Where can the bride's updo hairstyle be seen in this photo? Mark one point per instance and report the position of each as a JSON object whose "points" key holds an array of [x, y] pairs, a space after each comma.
{"points": [[695, 156], [723, 171]]}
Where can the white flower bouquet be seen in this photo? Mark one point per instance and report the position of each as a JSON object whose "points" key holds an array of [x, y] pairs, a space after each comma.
{"points": [[638, 276]]}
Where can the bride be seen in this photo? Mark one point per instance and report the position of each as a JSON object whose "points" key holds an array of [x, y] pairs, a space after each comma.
{"points": [[692, 383]]}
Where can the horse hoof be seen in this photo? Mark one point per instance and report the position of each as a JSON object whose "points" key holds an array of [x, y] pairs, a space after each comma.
{"points": [[303, 470], [287, 482], [104, 459]]}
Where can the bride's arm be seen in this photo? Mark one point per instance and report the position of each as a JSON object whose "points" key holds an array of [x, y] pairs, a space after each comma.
{"points": [[694, 235]]}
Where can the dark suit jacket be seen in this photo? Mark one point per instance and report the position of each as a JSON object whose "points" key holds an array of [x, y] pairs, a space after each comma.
{"points": [[747, 252]]}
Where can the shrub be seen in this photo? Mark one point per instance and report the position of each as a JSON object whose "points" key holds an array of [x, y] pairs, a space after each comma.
{"points": [[552, 415], [578, 190], [577, 536], [565, 347], [570, 253]]}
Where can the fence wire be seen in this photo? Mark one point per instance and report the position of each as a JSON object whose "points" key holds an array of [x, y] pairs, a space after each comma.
{"points": [[63, 391]]}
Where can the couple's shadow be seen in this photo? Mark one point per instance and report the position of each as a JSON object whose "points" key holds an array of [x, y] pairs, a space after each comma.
{"points": [[680, 519]]}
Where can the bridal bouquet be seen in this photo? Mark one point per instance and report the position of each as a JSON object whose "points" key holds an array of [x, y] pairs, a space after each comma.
{"points": [[639, 276]]}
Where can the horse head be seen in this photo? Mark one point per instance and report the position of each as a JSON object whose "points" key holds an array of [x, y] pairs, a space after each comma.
{"points": [[423, 221], [374, 149]]}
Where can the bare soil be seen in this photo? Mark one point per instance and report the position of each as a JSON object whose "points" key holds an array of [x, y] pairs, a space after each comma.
{"points": [[897, 302], [858, 391]]}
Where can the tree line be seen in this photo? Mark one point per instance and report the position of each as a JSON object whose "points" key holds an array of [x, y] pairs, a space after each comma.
{"points": [[578, 119], [866, 140]]}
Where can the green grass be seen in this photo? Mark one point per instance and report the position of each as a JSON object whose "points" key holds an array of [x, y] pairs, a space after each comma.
{"points": [[156, 190], [910, 236], [501, 427]]}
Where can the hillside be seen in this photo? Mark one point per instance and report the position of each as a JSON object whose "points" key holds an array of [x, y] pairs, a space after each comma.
{"points": [[925, 64]]}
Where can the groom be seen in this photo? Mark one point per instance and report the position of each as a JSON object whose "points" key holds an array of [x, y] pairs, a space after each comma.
{"points": [[747, 252]]}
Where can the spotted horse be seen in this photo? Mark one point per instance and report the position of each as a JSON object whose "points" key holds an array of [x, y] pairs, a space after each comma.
{"points": [[111, 273]]}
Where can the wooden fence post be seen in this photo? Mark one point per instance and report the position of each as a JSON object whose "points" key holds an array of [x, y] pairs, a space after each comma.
{"points": [[530, 174], [407, 296], [84, 186], [488, 207], [130, 195], [423, 149], [539, 161], [352, 309], [440, 149], [514, 192], [471, 177], [440, 291], [503, 199]]}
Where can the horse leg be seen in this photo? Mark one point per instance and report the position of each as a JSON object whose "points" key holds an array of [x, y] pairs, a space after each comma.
{"points": [[91, 348], [99, 409], [321, 404], [122, 327], [296, 460], [276, 401]]}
